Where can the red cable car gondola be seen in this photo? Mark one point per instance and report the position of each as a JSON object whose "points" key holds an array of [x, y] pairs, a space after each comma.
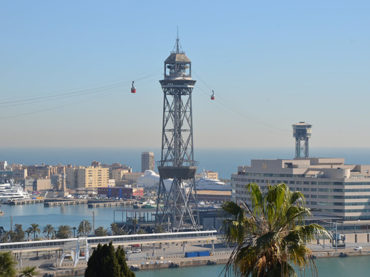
{"points": [[213, 95], [133, 89]]}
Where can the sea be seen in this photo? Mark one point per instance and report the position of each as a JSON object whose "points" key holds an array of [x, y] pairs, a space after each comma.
{"points": [[224, 161]]}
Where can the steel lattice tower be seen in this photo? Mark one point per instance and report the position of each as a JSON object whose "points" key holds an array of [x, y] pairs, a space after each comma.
{"points": [[176, 205]]}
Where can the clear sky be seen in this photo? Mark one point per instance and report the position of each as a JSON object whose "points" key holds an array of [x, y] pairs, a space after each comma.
{"points": [[66, 68]]}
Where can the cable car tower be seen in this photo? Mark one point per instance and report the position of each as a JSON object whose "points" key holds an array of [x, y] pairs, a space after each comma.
{"points": [[176, 204]]}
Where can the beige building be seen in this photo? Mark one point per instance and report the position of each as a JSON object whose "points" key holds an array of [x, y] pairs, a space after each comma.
{"points": [[92, 177], [331, 187], [39, 184], [117, 173], [147, 161]]}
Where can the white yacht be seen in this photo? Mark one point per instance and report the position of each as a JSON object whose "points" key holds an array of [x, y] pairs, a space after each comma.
{"points": [[10, 192]]}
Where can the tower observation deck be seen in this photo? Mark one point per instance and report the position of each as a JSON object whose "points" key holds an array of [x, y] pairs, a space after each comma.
{"points": [[301, 133], [177, 205]]}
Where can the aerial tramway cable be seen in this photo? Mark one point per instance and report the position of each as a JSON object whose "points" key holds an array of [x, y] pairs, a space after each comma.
{"points": [[221, 102]]}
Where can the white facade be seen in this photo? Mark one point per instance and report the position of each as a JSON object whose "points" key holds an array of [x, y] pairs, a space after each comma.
{"points": [[331, 188]]}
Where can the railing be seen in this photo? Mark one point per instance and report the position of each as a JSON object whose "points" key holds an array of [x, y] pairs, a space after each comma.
{"points": [[122, 239]]}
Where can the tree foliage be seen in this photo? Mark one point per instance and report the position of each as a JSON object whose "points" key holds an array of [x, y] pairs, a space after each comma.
{"points": [[7, 265], [28, 271], [35, 230], [108, 262], [101, 231], [49, 231], [64, 232], [84, 229], [18, 233], [116, 230], [270, 235]]}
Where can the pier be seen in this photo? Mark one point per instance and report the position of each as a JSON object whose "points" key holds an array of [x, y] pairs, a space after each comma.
{"points": [[24, 202], [63, 202], [118, 203]]}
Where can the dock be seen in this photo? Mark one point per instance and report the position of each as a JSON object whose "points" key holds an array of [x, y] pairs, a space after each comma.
{"points": [[117, 203], [63, 202], [17, 202]]}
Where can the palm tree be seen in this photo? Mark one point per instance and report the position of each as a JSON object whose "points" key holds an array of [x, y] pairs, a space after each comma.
{"points": [[270, 234], [35, 230], [84, 228], [64, 232], [100, 231], [48, 230], [28, 271], [28, 232]]}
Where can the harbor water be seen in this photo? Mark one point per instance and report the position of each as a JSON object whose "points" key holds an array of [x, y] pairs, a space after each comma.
{"points": [[328, 267], [58, 215]]}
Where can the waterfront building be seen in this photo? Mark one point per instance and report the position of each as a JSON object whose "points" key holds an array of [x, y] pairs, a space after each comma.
{"points": [[147, 161], [212, 190], [19, 174], [131, 177], [209, 174], [71, 177], [331, 187], [37, 184], [92, 177], [41, 171], [117, 173], [121, 192], [3, 165]]}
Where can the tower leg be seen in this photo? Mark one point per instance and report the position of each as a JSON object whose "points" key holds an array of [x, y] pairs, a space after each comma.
{"points": [[297, 148], [306, 148]]}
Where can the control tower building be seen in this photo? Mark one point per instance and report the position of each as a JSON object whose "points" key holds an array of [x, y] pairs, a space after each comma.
{"points": [[301, 133]]}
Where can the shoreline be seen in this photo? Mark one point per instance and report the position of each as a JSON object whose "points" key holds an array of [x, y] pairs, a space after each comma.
{"points": [[218, 259]]}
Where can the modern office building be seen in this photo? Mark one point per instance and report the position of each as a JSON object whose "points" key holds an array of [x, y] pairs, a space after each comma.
{"points": [[147, 161], [331, 187]]}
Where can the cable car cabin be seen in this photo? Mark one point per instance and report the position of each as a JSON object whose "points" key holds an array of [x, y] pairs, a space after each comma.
{"points": [[133, 89], [213, 95]]}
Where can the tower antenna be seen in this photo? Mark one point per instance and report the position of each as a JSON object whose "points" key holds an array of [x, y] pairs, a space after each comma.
{"points": [[177, 40]]}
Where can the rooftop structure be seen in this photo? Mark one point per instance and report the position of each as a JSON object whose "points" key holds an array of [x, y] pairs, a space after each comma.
{"points": [[301, 132]]}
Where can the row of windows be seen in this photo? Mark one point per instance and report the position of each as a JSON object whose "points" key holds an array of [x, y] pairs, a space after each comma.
{"points": [[303, 182]]}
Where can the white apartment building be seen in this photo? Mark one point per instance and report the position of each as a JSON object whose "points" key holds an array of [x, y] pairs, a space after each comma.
{"points": [[331, 188]]}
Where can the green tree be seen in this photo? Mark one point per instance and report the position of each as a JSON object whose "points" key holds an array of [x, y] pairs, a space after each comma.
{"points": [[159, 229], [7, 265], [64, 232], [18, 233], [28, 271], [35, 230], [48, 230], [116, 230], [107, 262], [28, 232], [100, 231], [84, 229], [270, 235]]}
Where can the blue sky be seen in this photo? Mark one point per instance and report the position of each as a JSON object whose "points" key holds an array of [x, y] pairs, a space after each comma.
{"points": [[271, 64]]}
